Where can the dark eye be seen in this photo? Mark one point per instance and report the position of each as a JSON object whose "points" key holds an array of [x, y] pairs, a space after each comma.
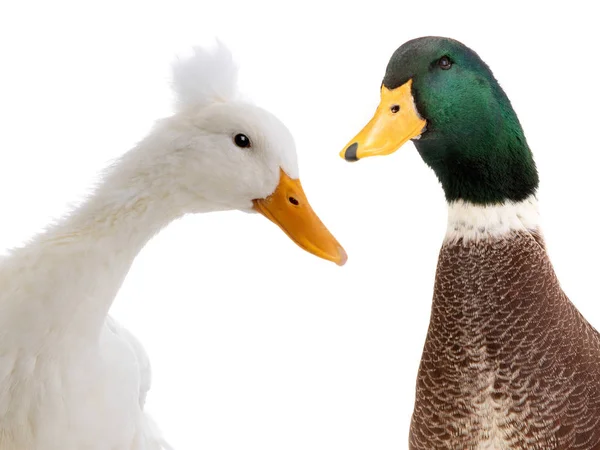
{"points": [[395, 108], [241, 140], [444, 63]]}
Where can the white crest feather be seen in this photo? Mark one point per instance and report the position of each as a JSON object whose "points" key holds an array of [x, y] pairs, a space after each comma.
{"points": [[205, 77]]}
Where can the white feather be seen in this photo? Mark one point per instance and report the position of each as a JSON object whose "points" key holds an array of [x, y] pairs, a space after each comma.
{"points": [[206, 76], [471, 222]]}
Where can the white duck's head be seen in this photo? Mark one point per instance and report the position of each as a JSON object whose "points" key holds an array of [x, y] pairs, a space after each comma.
{"points": [[220, 152]]}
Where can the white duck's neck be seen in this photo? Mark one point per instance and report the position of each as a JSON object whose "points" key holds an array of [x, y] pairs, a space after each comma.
{"points": [[470, 222], [61, 286]]}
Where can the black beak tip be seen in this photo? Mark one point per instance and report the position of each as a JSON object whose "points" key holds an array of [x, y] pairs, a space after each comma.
{"points": [[350, 153]]}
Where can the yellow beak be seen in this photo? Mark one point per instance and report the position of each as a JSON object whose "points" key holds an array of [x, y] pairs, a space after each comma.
{"points": [[395, 122], [288, 208]]}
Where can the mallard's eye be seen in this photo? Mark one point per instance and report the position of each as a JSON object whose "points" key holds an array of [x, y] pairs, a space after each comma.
{"points": [[395, 108], [241, 140], [444, 63]]}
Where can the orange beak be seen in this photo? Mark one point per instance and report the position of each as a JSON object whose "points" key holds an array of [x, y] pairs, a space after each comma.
{"points": [[288, 208]]}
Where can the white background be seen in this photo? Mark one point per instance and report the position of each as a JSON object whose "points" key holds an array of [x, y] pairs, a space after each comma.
{"points": [[255, 343]]}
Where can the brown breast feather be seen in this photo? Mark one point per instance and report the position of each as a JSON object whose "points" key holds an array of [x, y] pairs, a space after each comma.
{"points": [[508, 361]]}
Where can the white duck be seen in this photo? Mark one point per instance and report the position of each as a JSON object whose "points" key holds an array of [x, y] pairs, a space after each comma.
{"points": [[70, 377]]}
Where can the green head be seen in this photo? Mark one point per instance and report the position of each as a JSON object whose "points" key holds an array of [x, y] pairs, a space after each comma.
{"points": [[439, 93]]}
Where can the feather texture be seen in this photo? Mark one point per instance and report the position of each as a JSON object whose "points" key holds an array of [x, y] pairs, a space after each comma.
{"points": [[509, 362], [206, 76]]}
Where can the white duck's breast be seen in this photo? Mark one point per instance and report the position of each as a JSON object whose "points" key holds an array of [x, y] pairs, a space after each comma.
{"points": [[78, 401]]}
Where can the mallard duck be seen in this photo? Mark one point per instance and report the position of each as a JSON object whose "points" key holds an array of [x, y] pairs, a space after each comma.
{"points": [[508, 362], [72, 378]]}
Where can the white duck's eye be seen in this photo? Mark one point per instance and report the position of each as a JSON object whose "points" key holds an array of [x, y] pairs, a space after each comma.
{"points": [[241, 140]]}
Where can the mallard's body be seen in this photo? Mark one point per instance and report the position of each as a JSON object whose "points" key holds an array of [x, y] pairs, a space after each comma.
{"points": [[508, 363]]}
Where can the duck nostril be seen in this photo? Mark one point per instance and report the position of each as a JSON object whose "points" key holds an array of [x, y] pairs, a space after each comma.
{"points": [[293, 201]]}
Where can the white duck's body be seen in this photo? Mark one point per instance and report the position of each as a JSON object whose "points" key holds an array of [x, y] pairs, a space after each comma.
{"points": [[77, 370], [90, 399], [70, 377]]}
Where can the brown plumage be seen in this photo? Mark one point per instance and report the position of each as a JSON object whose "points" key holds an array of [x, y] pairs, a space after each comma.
{"points": [[509, 362]]}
